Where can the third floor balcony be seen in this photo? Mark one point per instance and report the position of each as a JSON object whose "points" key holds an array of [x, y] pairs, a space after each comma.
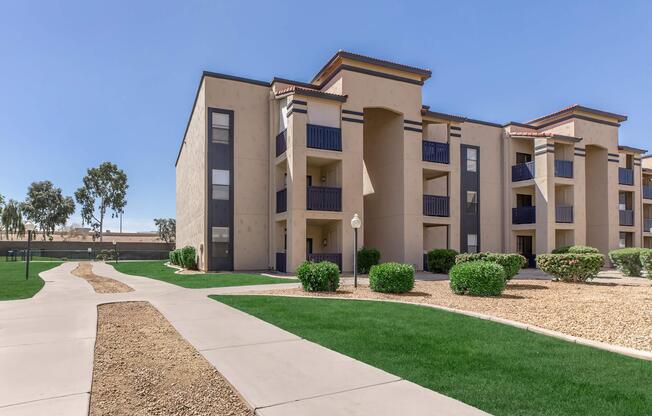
{"points": [[281, 143], [627, 217], [625, 176], [322, 137], [564, 168], [435, 152], [564, 214], [523, 172], [524, 215], [323, 198], [436, 206]]}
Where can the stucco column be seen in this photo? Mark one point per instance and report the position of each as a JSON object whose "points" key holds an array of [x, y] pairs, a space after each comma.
{"points": [[454, 192], [352, 189], [613, 202], [296, 190], [544, 180], [579, 197], [413, 199]]}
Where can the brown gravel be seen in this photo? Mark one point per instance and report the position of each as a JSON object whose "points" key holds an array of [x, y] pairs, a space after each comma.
{"points": [[100, 284], [144, 367], [617, 314]]}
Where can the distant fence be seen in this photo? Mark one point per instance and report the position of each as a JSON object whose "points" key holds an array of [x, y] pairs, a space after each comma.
{"points": [[80, 250]]}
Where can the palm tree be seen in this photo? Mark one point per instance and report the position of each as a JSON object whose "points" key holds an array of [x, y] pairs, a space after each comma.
{"points": [[12, 220]]}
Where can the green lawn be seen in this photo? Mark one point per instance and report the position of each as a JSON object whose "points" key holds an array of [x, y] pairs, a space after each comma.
{"points": [[159, 271], [13, 284], [497, 368]]}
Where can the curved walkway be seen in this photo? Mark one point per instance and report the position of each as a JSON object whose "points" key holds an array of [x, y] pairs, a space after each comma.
{"points": [[47, 344]]}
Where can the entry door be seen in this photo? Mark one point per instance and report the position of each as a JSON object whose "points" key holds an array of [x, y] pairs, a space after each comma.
{"points": [[524, 247]]}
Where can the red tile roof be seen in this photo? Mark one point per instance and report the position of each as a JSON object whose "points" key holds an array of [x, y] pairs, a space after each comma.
{"points": [[578, 107], [311, 93]]}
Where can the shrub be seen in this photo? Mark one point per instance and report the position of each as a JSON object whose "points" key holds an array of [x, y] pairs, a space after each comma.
{"points": [[367, 257], [440, 260], [391, 278], [627, 260], [646, 261], [583, 250], [561, 250], [477, 278], [175, 257], [188, 257], [571, 267], [171, 255], [319, 277], [511, 262]]}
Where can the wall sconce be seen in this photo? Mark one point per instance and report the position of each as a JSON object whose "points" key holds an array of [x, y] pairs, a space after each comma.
{"points": [[323, 179], [324, 242]]}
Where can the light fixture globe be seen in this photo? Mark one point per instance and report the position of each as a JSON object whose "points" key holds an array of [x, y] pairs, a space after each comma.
{"points": [[29, 226], [356, 222]]}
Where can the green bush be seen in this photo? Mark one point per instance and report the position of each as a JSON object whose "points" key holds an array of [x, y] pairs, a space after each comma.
{"points": [[440, 260], [391, 278], [627, 260], [367, 257], [175, 257], [511, 262], [188, 257], [477, 278], [646, 261], [172, 257], [583, 250], [561, 250], [319, 277], [571, 267]]}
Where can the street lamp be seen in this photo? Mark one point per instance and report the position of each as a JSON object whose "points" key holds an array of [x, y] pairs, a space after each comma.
{"points": [[115, 251], [355, 224], [29, 227]]}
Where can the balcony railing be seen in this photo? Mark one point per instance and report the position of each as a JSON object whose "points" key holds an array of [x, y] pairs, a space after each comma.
{"points": [[435, 152], [647, 225], [322, 198], [436, 206], [647, 191], [281, 200], [564, 168], [281, 143], [281, 265], [625, 176], [626, 217], [564, 214], [332, 257], [523, 172], [524, 215], [322, 137]]}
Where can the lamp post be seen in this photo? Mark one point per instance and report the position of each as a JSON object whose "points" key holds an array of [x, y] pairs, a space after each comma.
{"points": [[115, 251], [90, 250], [355, 224], [29, 227]]}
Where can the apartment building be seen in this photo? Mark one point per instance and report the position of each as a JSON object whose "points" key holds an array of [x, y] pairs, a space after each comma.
{"points": [[269, 174]]}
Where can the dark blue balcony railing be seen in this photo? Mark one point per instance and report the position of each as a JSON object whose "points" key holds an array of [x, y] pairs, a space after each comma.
{"points": [[281, 143], [626, 217], [625, 176], [523, 172], [564, 168], [281, 260], [564, 214], [282, 200], [647, 225], [436, 206], [322, 137], [435, 152], [524, 215], [647, 191], [332, 257], [321, 198]]}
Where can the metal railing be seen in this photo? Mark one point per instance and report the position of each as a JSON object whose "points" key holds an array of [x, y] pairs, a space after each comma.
{"points": [[564, 214], [332, 257], [625, 176], [647, 225], [626, 217], [436, 206], [523, 172], [281, 265], [322, 137], [435, 152], [281, 143], [281, 201], [322, 198], [37, 254], [564, 168], [647, 191], [524, 215]]}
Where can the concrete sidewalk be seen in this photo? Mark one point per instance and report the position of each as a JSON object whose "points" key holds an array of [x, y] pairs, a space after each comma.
{"points": [[46, 346]]}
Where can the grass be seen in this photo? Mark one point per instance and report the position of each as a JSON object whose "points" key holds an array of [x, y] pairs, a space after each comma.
{"points": [[497, 368], [159, 271], [13, 284]]}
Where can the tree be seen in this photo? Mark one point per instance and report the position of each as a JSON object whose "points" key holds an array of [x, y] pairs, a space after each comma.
{"points": [[46, 206], [12, 219], [2, 206], [104, 186], [167, 228]]}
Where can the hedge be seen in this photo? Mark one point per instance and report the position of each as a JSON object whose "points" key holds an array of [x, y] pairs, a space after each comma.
{"points": [[188, 257], [583, 250], [571, 267], [440, 260], [646, 261], [477, 278], [175, 257], [627, 260], [367, 257], [391, 278], [511, 262], [319, 277]]}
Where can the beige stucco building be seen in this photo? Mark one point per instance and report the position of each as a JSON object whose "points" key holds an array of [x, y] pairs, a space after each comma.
{"points": [[271, 173]]}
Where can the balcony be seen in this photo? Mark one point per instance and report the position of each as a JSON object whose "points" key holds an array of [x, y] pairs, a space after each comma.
{"points": [[625, 176], [564, 214], [281, 201], [435, 152], [647, 191], [281, 260], [322, 137], [281, 143], [436, 206], [332, 257], [647, 225], [564, 168], [524, 215], [322, 198], [626, 217], [523, 172]]}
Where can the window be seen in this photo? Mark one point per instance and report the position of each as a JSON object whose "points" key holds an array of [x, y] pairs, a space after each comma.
{"points": [[523, 158], [221, 181], [471, 202], [471, 160], [220, 235], [220, 128], [472, 243], [626, 240]]}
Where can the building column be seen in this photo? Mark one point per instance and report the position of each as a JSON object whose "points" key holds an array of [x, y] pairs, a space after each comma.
{"points": [[296, 190], [544, 179]]}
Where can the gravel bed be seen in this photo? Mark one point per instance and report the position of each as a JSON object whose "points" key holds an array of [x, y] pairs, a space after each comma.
{"points": [[614, 313], [100, 284], [143, 366]]}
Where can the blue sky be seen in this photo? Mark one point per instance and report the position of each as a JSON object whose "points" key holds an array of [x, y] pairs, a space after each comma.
{"points": [[83, 82]]}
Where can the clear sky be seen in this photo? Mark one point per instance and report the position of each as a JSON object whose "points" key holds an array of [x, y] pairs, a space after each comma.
{"points": [[82, 82]]}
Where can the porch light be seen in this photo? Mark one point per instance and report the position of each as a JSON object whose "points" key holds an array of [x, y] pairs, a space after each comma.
{"points": [[355, 224]]}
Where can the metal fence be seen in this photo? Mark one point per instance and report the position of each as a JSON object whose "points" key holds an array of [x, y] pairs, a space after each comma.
{"points": [[38, 254]]}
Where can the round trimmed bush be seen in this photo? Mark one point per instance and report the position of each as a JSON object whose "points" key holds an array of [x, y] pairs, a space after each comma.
{"points": [[367, 257], [512, 263], [440, 260], [319, 277], [391, 278], [171, 256], [583, 250], [188, 257], [646, 261], [627, 260], [571, 267], [561, 250], [477, 278]]}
